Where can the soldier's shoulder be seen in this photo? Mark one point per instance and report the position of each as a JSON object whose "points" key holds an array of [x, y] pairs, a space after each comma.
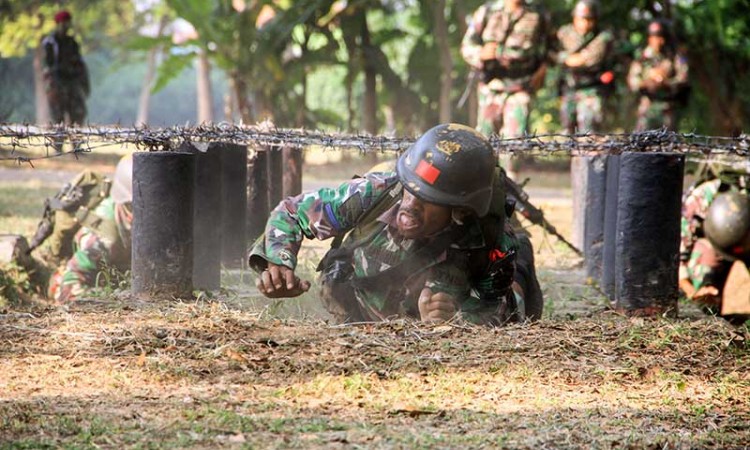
{"points": [[607, 34], [566, 30]]}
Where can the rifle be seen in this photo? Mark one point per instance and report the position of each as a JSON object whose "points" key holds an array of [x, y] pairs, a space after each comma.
{"points": [[471, 83], [532, 213], [47, 224]]}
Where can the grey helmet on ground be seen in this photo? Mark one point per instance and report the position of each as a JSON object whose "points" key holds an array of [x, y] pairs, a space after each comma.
{"points": [[727, 224], [122, 184]]}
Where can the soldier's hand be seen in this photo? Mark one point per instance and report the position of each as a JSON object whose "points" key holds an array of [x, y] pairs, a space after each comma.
{"points": [[708, 295], [436, 307], [489, 51], [575, 60], [280, 282], [687, 288]]}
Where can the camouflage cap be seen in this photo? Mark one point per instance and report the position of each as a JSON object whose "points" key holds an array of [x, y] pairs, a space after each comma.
{"points": [[657, 28], [588, 9]]}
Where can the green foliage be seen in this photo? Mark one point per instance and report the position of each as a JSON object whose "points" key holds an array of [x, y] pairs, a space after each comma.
{"points": [[302, 62], [171, 68]]}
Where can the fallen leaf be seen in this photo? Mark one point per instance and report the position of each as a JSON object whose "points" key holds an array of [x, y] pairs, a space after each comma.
{"points": [[141, 359], [234, 355]]}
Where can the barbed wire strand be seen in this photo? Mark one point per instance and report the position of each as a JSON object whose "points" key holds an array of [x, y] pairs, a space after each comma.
{"points": [[87, 139]]}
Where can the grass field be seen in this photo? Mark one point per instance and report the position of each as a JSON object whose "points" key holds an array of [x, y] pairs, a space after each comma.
{"points": [[238, 371]]}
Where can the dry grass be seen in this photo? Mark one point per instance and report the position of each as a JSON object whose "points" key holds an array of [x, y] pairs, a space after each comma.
{"points": [[119, 373], [173, 375]]}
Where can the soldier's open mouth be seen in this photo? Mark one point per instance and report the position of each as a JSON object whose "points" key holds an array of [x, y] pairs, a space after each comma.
{"points": [[407, 221]]}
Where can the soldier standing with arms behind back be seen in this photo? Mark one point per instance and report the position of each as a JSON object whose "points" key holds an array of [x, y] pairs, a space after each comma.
{"points": [[660, 74], [582, 51], [506, 44], [65, 75]]}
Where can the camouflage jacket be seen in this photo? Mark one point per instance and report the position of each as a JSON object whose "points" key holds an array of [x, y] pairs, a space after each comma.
{"points": [[522, 41], [327, 213], [672, 68], [62, 63], [595, 47], [694, 209]]}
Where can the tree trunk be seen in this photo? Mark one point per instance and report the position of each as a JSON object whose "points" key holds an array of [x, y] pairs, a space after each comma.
{"points": [[473, 102], [446, 61], [370, 102], [205, 94], [40, 95], [243, 103], [144, 100], [725, 110]]}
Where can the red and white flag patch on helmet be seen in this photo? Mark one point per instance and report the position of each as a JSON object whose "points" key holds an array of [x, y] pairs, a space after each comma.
{"points": [[427, 172]]}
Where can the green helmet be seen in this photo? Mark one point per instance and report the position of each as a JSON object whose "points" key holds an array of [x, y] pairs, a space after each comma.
{"points": [[450, 165], [588, 9], [727, 224]]}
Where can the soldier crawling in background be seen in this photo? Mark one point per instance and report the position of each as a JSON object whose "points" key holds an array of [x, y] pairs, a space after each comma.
{"points": [[65, 75], [660, 74], [583, 51], [715, 246]]}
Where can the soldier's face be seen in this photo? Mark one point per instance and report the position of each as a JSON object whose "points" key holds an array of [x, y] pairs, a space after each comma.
{"points": [[419, 219], [656, 42], [63, 27], [583, 25]]}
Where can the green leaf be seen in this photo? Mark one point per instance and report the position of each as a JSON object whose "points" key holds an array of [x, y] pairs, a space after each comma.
{"points": [[171, 68]]}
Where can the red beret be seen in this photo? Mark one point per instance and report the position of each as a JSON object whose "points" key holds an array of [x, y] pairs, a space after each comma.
{"points": [[62, 16]]}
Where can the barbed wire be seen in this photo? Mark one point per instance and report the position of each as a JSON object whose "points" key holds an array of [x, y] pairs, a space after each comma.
{"points": [[25, 138]]}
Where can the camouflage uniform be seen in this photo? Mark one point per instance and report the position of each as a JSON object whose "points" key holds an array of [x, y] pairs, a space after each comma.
{"points": [[699, 260], [104, 244], [504, 101], [333, 212], [581, 87], [656, 108]]}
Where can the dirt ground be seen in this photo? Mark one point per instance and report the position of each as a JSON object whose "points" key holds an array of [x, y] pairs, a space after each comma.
{"points": [[236, 371]]}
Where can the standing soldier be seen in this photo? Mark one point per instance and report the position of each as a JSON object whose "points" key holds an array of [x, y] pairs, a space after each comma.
{"points": [[65, 75], [660, 74], [506, 44], [583, 51]]}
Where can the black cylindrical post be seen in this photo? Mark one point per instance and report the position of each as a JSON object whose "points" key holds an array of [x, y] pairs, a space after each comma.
{"points": [[648, 232], [292, 171], [162, 254], [610, 227], [233, 203], [578, 174], [275, 176], [257, 195], [206, 208], [593, 237]]}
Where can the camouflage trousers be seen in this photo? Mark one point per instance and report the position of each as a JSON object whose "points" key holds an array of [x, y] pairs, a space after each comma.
{"points": [[655, 114], [506, 114], [83, 270], [706, 267], [67, 104], [581, 110]]}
